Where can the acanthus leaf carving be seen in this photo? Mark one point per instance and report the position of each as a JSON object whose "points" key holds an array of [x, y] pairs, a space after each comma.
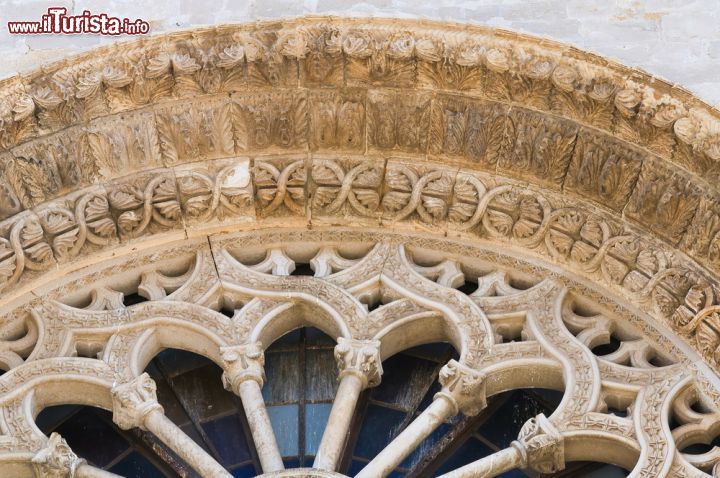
{"points": [[463, 387], [360, 358], [56, 460]]}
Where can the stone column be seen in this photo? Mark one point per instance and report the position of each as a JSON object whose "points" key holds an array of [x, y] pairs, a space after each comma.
{"points": [[539, 447], [244, 375], [135, 405], [359, 367], [463, 391]]}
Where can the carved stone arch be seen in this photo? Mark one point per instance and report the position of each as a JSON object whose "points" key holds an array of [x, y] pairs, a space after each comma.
{"points": [[530, 203]]}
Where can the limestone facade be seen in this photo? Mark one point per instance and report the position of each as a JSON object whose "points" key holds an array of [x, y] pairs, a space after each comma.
{"points": [[400, 160]]}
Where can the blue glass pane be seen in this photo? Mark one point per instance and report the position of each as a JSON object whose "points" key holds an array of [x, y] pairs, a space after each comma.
{"points": [[282, 371], [201, 391], [514, 474], [228, 439], [175, 362], [379, 427], [316, 417], [136, 466], [429, 396], [245, 471], [291, 463], [471, 450], [284, 421], [437, 352], [425, 446], [551, 396], [607, 471], [51, 417], [316, 337], [193, 433], [84, 430], [355, 467], [405, 381], [167, 397], [287, 341], [505, 424], [320, 375]]}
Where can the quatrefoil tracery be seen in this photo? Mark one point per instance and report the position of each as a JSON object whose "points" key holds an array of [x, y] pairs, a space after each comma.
{"points": [[511, 332]]}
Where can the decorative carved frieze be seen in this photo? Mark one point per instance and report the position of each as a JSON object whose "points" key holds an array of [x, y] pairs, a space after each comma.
{"points": [[603, 170], [396, 122], [194, 131], [337, 120], [280, 186], [216, 190], [663, 200], [271, 121], [473, 130], [236, 191], [542, 148], [145, 204], [346, 187]]}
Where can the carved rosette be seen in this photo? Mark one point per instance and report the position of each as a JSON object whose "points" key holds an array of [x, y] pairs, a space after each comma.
{"points": [[541, 445], [463, 387], [56, 460], [133, 401], [360, 358], [241, 363]]}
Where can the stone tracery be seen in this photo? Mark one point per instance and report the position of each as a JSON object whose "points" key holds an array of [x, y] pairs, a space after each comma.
{"points": [[549, 355], [399, 162]]}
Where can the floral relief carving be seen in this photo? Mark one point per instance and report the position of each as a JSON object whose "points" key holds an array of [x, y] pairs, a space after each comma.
{"points": [[280, 186], [360, 358], [603, 171], [664, 201], [396, 122], [56, 460], [337, 120], [473, 130], [542, 149], [120, 145], [277, 120], [191, 131], [349, 184], [222, 189]]}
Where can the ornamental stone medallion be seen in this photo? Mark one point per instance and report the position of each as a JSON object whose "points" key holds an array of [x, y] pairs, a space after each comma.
{"points": [[400, 161]]}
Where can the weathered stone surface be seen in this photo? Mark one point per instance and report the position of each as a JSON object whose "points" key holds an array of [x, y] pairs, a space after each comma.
{"points": [[398, 160]]}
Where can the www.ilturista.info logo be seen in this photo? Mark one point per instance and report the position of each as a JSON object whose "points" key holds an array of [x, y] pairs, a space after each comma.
{"points": [[58, 21]]}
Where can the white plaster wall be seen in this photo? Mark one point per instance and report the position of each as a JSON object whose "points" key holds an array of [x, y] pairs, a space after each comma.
{"points": [[678, 40]]}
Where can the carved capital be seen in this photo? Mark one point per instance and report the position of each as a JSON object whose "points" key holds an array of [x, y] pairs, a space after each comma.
{"points": [[241, 363], [56, 460], [360, 358], [541, 445], [464, 387], [133, 401]]}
